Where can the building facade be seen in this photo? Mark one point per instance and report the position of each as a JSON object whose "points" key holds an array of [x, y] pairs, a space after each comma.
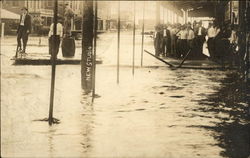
{"points": [[42, 8]]}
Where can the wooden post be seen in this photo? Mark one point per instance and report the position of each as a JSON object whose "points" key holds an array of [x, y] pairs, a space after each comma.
{"points": [[133, 60], [118, 43], [94, 56], [87, 46], [142, 39], [2, 33], [157, 13], [53, 64], [163, 17]]}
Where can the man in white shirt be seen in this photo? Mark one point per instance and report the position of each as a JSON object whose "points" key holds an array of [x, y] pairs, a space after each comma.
{"points": [[190, 40], [200, 34], [182, 44], [23, 30], [211, 33], [54, 41]]}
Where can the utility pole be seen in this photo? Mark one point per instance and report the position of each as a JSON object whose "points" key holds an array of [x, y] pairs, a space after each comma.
{"points": [[53, 64], [118, 44], [87, 46], [142, 39]]}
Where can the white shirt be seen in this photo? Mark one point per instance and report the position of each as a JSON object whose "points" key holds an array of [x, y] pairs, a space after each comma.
{"points": [[211, 32], [190, 35], [22, 20], [183, 34], [59, 30], [233, 38], [173, 31], [199, 32]]}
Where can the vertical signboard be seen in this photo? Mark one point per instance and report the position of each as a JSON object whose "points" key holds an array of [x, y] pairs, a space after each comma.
{"points": [[87, 46]]}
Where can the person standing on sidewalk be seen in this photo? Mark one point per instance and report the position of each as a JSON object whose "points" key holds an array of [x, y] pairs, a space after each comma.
{"points": [[200, 34], [57, 37], [158, 40], [183, 45], [211, 33], [190, 40], [24, 29], [166, 41]]}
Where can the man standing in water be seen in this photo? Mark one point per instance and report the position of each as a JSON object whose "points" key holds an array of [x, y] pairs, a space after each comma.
{"points": [[23, 30]]}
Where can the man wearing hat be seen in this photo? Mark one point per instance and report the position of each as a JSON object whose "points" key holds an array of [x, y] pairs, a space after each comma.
{"points": [[24, 29]]}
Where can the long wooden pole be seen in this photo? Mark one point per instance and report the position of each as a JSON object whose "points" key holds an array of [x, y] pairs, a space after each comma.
{"points": [[94, 53], [184, 59], [118, 43], [87, 46], [53, 64], [142, 39], [159, 59], [133, 60]]}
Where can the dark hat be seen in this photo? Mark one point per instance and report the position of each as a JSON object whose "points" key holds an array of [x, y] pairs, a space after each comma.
{"points": [[24, 8]]}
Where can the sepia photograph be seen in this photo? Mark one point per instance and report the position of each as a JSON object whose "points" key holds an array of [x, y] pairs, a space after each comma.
{"points": [[125, 79]]}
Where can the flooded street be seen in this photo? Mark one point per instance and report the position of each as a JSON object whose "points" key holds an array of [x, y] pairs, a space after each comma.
{"points": [[158, 112]]}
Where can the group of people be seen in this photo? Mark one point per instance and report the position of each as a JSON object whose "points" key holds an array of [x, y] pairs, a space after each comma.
{"points": [[25, 27], [176, 40]]}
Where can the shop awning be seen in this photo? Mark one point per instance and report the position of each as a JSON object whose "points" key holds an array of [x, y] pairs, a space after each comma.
{"points": [[5, 14], [197, 8]]}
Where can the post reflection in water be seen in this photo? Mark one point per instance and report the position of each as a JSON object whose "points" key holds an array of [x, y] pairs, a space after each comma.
{"points": [[87, 123], [51, 135]]}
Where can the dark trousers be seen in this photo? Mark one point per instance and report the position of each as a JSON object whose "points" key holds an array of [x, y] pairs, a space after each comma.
{"points": [[22, 34], [222, 49], [190, 47], [199, 45], [164, 46], [173, 45], [54, 43], [211, 47], [158, 45], [183, 46]]}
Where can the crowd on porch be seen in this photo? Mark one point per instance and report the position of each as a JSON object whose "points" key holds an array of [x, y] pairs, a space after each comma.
{"points": [[178, 41]]}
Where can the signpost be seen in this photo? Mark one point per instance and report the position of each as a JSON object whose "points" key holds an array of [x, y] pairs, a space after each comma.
{"points": [[87, 46]]}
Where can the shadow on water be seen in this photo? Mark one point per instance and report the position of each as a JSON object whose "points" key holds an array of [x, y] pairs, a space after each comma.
{"points": [[233, 131]]}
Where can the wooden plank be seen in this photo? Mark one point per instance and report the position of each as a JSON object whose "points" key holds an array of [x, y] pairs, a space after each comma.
{"points": [[44, 59], [159, 58]]}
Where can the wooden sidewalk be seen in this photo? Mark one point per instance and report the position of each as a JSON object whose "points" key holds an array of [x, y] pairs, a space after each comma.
{"points": [[203, 64], [44, 59]]}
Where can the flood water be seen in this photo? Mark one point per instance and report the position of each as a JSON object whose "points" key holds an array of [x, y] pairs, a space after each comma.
{"points": [[158, 112]]}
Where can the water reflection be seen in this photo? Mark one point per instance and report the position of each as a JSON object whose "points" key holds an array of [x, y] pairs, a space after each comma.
{"points": [[87, 123], [228, 105], [51, 134]]}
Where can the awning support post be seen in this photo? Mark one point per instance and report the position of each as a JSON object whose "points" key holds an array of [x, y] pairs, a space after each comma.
{"points": [[142, 39], [133, 59]]}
